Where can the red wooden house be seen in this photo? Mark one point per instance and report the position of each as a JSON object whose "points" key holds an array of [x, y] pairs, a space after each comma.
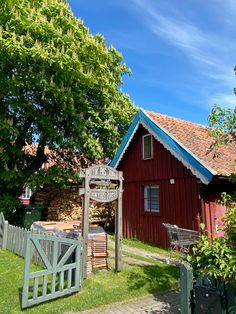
{"points": [[172, 174]]}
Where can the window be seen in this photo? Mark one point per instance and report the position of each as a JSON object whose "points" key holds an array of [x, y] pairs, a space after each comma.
{"points": [[26, 193], [151, 198], [147, 147]]}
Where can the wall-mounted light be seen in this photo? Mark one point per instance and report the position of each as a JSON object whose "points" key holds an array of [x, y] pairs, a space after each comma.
{"points": [[172, 181]]}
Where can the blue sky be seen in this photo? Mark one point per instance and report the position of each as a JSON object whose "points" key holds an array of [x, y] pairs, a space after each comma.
{"points": [[181, 52]]}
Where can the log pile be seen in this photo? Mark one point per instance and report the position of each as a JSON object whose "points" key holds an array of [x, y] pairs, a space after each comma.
{"points": [[66, 205]]}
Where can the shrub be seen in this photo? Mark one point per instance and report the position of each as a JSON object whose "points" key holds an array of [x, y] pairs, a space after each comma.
{"points": [[216, 258], [11, 208]]}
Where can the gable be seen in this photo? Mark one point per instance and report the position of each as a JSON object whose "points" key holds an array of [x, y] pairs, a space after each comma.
{"points": [[196, 166], [162, 166]]}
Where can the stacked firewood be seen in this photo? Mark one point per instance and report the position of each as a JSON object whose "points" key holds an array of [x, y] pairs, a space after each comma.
{"points": [[66, 205]]}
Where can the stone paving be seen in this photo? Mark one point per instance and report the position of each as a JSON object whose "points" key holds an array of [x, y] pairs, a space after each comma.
{"points": [[153, 304]]}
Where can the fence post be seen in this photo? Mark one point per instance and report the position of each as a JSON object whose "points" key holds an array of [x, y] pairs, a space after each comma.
{"points": [[5, 233], [186, 287]]}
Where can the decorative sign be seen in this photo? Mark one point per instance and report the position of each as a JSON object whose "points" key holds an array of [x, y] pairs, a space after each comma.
{"points": [[103, 196], [103, 172]]}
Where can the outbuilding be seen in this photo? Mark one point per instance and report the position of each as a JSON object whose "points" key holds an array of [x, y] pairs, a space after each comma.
{"points": [[174, 174]]}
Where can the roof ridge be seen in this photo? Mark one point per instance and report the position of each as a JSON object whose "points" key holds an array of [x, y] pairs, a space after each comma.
{"points": [[178, 119]]}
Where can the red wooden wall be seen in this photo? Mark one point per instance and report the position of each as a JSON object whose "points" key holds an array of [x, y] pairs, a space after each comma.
{"points": [[213, 210], [179, 202]]}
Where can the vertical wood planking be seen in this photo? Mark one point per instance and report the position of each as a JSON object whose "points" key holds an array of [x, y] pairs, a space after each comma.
{"points": [[36, 286], [69, 278], [54, 264], [45, 285], [85, 221], [118, 226], [61, 282], [179, 201], [55, 270], [27, 254]]}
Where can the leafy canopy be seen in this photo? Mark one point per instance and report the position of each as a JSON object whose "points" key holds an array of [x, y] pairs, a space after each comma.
{"points": [[59, 88], [224, 122]]}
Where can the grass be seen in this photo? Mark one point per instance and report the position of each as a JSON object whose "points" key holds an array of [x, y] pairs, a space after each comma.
{"points": [[134, 256], [152, 248], [139, 257], [101, 288]]}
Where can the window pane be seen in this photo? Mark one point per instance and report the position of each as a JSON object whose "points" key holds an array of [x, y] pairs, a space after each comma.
{"points": [[147, 146], [151, 199], [26, 193]]}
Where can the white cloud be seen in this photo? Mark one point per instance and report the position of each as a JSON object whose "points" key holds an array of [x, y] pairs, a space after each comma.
{"points": [[224, 100], [211, 51]]}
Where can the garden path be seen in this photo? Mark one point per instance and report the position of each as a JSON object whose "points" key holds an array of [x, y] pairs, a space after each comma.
{"points": [[141, 252]]}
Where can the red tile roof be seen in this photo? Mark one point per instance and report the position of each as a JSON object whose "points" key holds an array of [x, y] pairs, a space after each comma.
{"points": [[60, 158], [196, 138]]}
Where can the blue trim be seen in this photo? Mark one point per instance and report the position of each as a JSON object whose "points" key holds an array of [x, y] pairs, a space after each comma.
{"points": [[165, 138], [125, 140]]}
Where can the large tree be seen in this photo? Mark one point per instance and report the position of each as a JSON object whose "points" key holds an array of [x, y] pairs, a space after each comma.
{"points": [[59, 88], [224, 122]]}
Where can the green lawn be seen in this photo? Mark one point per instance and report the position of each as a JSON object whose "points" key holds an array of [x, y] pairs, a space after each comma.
{"points": [[152, 248], [103, 287]]}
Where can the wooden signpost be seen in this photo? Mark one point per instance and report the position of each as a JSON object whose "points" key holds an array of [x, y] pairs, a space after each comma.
{"points": [[109, 188]]}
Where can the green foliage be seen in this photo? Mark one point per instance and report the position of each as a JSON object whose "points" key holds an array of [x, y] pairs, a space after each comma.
{"points": [[10, 206], [55, 176], [59, 87], [224, 123], [230, 225], [216, 258], [226, 199]]}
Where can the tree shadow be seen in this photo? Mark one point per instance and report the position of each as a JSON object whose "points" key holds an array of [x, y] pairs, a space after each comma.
{"points": [[158, 281]]}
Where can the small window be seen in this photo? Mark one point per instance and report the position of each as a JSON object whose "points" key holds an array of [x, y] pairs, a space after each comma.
{"points": [[147, 147], [151, 199], [26, 193]]}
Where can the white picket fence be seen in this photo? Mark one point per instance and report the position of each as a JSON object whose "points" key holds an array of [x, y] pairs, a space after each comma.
{"points": [[12, 238]]}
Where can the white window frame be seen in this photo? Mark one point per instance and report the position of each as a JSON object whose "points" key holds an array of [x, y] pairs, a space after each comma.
{"points": [[26, 193], [146, 200], [143, 153]]}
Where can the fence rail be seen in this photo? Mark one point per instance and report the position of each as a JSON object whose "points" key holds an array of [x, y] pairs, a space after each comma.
{"points": [[12, 238]]}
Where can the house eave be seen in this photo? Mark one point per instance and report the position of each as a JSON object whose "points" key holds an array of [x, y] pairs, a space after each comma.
{"points": [[171, 144]]}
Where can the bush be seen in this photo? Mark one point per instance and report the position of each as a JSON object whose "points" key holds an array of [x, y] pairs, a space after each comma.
{"points": [[11, 208], [216, 258]]}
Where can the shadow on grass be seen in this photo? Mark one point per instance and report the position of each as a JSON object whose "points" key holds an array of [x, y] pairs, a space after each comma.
{"points": [[154, 278], [157, 280]]}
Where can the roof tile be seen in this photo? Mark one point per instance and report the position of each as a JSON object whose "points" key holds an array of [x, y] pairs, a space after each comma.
{"points": [[198, 140]]}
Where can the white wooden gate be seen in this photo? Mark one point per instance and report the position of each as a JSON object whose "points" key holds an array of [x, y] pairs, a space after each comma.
{"points": [[61, 271]]}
